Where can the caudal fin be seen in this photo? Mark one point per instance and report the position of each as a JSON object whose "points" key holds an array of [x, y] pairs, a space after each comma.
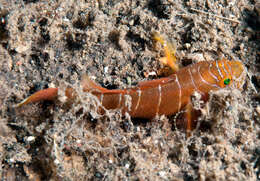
{"points": [[45, 94], [52, 93]]}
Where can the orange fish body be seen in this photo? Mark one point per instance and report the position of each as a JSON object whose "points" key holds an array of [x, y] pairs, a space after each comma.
{"points": [[165, 96]]}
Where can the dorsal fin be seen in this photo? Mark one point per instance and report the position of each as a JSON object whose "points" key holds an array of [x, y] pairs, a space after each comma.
{"points": [[89, 85]]}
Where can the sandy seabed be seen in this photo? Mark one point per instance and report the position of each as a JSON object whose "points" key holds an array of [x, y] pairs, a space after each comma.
{"points": [[53, 43]]}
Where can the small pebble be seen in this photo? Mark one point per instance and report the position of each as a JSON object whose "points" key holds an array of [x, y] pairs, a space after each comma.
{"points": [[127, 166], [187, 45], [106, 69], [162, 173], [30, 138]]}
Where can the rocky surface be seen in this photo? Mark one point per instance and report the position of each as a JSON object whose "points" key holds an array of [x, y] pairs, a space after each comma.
{"points": [[52, 44]]}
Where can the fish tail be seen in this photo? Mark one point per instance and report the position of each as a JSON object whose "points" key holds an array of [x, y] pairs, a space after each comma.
{"points": [[45, 94]]}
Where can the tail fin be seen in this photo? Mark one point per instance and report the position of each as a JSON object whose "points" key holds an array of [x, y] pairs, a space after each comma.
{"points": [[52, 93], [45, 94], [89, 85]]}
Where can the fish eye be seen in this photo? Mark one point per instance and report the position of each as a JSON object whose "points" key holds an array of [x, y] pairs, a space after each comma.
{"points": [[227, 81]]}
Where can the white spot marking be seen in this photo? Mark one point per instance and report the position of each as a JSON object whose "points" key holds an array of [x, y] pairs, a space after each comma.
{"points": [[128, 100], [120, 99], [159, 99], [213, 75], [180, 93], [101, 99], [139, 98], [224, 67], [219, 72], [203, 80], [229, 68], [192, 80]]}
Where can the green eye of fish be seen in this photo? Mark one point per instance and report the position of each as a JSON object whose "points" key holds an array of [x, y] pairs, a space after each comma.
{"points": [[227, 81]]}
